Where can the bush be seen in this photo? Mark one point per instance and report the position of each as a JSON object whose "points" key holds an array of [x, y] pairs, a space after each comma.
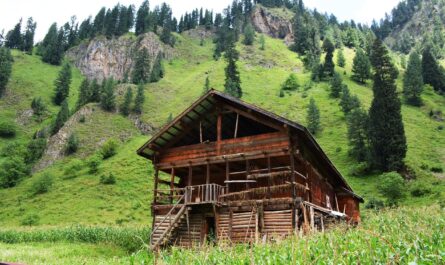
{"points": [[94, 164], [392, 187], [7, 129], [35, 150], [109, 149], [12, 171], [12, 149], [72, 145], [436, 169], [30, 220], [73, 169], [42, 184], [360, 169], [291, 83], [38, 106], [107, 180], [375, 204], [419, 189], [82, 119]]}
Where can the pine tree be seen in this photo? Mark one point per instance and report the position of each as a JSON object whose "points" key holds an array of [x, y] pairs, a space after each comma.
{"points": [[108, 100], [142, 15], [358, 124], [232, 84], [14, 37], [95, 91], [28, 37], [328, 66], [431, 71], [62, 117], [141, 69], [125, 106], [99, 22], [341, 60], [84, 94], [62, 84], [139, 100], [38, 106], [157, 72], [348, 102], [413, 80], [313, 117], [291, 83], [361, 67], [206, 85], [249, 34], [262, 42], [52, 46], [386, 131], [5, 68], [336, 85]]}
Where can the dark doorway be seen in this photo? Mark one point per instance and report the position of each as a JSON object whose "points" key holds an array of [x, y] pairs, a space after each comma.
{"points": [[210, 231]]}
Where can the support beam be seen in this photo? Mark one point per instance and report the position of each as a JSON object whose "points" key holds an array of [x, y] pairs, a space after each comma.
{"points": [[156, 185], [172, 184], [269, 180], [227, 175], [218, 133], [236, 126]]}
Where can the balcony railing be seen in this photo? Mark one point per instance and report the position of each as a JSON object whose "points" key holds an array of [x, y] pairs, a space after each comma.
{"points": [[200, 194]]}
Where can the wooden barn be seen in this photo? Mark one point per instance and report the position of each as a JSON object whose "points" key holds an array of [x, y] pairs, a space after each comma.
{"points": [[229, 171]]}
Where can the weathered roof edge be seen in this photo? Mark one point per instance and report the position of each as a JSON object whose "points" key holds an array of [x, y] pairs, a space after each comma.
{"points": [[271, 115]]}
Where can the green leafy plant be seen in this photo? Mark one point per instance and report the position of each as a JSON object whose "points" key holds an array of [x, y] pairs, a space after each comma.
{"points": [[109, 148], [42, 184], [7, 129], [108, 180]]}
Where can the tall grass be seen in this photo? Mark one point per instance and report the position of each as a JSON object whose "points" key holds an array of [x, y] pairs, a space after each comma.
{"points": [[129, 239]]}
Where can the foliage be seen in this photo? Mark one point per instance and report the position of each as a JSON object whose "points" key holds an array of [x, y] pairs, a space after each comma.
{"points": [[141, 69], [108, 99], [419, 189], [262, 42], [14, 38], [84, 93], [328, 66], [38, 106], [42, 184], [206, 87], [34, 150], [52, 47], [28, 36], [336, 85], [62, 117], [7, 129], [375, 204], [249, 34], [348, 102], [95, 91], [431, 71], [291, 83], [12, 171], [73, 169], [109, 148], [62, 84], [94, 163], [307, 38], [386, 130], [157, 72], [108, 180], [5, 68], [341, 60], [313, 117], [72, 145], [361, 67], [30, 220], [232, 84], [139, 100], [392, 187], [358, 123], [125, 106], [413, 80]]}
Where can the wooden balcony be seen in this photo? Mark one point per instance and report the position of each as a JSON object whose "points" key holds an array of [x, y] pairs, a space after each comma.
{"points": [[199, 194]]}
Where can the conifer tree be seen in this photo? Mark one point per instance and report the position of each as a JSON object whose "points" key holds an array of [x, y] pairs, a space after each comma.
{"points": [[249, 34], [157, 72], [142, 20], [291, 83], [139, 100], [141, 69], [348, 102], [5, 68], [358, 124], [62, 84], [95, 91], [14, 37], [336, 85], [232, 84], [386, 131], [62, 117], [206, 85], [313, 117], [341, 60], [328, 66], [431, 71], [125, 106], [108, 99], [99, 22], [28, 37], [413, 80], [361, 67], [262, 42], [52, 46], [84, 94]]}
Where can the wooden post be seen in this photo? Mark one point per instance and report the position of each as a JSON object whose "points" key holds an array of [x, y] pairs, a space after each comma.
{"points": [[188, 228], [156, 185], [322, 224], [296, 221], [236, 126], [257, 234], [218, 133], [227, 175], [172, 184], [336, 203], [269, 179], [207, 181], [200, 132], [311, 211], [230, 224]]}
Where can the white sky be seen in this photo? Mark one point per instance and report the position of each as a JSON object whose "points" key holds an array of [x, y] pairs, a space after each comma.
{"points": [[45, 12]]}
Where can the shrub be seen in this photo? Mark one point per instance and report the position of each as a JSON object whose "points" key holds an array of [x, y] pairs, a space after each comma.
{"points": [[35, 149], [72, 144], [12, 171], [109, 149], [42, 184], [38, 106], [436, 169], [7, 129], [82, 119], [419, 189], [30, 220], [291, 83], [73, 169], [94, 164], [392, 187], [12, 149], [360, 169], [107, 180], [374, 203]]}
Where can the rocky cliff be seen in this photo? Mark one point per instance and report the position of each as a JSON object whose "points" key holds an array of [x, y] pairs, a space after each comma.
{"points": [[103, 58], [275, 22]]}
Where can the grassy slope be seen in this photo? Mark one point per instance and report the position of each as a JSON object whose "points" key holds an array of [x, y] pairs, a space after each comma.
{"points": [[83, 200]]}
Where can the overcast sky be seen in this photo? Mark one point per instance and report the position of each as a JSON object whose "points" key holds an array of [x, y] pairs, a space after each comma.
{"points": [[45, 12]]}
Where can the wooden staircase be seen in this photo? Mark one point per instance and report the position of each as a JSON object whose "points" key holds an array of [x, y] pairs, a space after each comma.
{"points": [[166, 224]]}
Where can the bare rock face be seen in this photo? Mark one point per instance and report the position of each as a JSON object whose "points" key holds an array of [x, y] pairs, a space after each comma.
{"points": [[273, 25], [103, 58]]}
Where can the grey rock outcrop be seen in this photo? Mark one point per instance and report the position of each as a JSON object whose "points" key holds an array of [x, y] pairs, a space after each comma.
{"points": [[273, 25], [103, 58]]}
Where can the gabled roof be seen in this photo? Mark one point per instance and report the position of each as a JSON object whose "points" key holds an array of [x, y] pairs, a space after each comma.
{"points": [[210, 99]]}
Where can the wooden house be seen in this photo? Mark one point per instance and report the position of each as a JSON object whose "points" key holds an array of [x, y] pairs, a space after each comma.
{"points": [[229, 171]]}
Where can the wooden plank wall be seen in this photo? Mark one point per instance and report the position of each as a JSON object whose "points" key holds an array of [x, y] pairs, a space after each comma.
{"points": [[194, 238], [277, 223]]}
